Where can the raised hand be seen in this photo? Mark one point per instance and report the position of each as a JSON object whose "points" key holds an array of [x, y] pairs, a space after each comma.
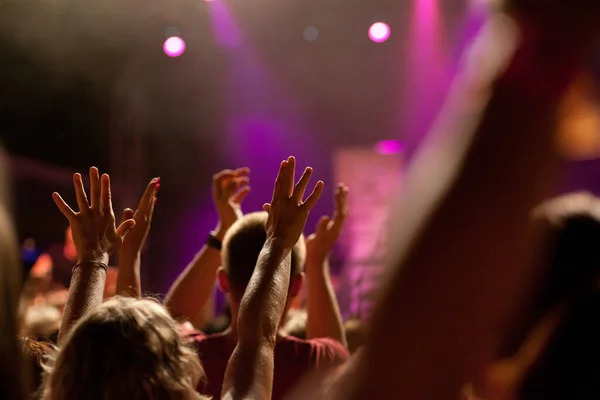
{"points": [[287, 210], [135, 239], [94, 232], [320, 243], [230, 188]]}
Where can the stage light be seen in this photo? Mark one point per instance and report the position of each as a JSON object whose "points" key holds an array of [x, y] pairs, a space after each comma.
{"points": [[388, 147], [311, 33], [174, 46], [379, 32]]}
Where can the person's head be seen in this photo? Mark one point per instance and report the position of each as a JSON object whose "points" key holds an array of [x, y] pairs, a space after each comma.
{"points": [[570, 364], [241, 247], [355, 334], [124, 349], [41, 321], [35, 352]]}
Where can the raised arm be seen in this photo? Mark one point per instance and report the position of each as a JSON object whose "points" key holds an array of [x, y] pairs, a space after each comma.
{"points": [[324, 318], [249, 373], [128, 279], [192, 289], [464, 249], [95, 237]]}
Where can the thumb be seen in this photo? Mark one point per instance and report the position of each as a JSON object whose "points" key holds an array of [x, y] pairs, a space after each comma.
{"points": [[322, 225], [125, 227], [267, 207], [127, 214]]}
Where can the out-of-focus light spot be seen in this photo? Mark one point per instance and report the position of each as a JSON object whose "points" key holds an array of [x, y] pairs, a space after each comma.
{"points": [[174, 46], [389, 147], [311, 33], [379, 32]]}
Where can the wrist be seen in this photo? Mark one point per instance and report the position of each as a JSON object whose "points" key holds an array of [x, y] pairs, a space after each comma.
{"points": [[317, 261], [220, 231], [130, 254], [278, 245], [101, 258]]}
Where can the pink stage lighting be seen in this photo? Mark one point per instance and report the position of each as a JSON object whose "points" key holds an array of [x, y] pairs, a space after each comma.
{"points": [[174, 46], [388, 147], [379, 32]]}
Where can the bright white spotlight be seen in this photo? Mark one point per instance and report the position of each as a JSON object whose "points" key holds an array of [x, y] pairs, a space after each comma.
{"points": [[174, 46], [379, 32]]}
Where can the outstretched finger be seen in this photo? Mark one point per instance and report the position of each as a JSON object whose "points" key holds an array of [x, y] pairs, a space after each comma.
{"points": [[147, 199], [82, 201], [300, 188], [232, 187], [63, 206], [241, 194], [279, 181], [105, 195], [218, 179], [322, 225], [244, 171], [291, 175], [125, 227], [267, 207], [94, 188], [314, 196], [341, 208]]}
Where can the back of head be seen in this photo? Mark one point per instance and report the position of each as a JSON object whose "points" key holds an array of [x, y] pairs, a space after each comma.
{"points": [[10, 287], [570, 365], [124, 349], [242, 246], [35, 352]]}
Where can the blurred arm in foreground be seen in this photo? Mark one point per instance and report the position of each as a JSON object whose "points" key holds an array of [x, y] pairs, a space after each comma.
{"points": [[466, 256]]}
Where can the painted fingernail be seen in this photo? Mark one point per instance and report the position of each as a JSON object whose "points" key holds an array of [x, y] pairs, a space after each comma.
{"points": [[155, 200]]}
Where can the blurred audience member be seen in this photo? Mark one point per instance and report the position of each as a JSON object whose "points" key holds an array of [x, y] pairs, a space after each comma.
{"points": [[41, 321], [355, 334], [243, 242]]}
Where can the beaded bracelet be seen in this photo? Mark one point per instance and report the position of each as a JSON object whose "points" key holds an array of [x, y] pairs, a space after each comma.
{"points": [[98, 264]]}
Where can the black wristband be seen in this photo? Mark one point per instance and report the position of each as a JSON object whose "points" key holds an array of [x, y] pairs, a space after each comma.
{"points": [[213, 242]]}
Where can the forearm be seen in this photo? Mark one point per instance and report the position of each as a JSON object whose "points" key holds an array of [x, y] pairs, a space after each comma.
{"points": [[466, 247], [249, 373], [263, 304], [192, 289], [324, 317], [85, 293], [128, 280]]}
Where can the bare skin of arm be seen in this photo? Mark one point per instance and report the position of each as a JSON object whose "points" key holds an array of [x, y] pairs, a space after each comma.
{"points": [[128, 279], [324, 319], [249, 373], [95, 237], [192, 289], [464, 261]]}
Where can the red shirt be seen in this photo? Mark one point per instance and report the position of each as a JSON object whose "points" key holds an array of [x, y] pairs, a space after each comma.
{"points": [[293, 359]]}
